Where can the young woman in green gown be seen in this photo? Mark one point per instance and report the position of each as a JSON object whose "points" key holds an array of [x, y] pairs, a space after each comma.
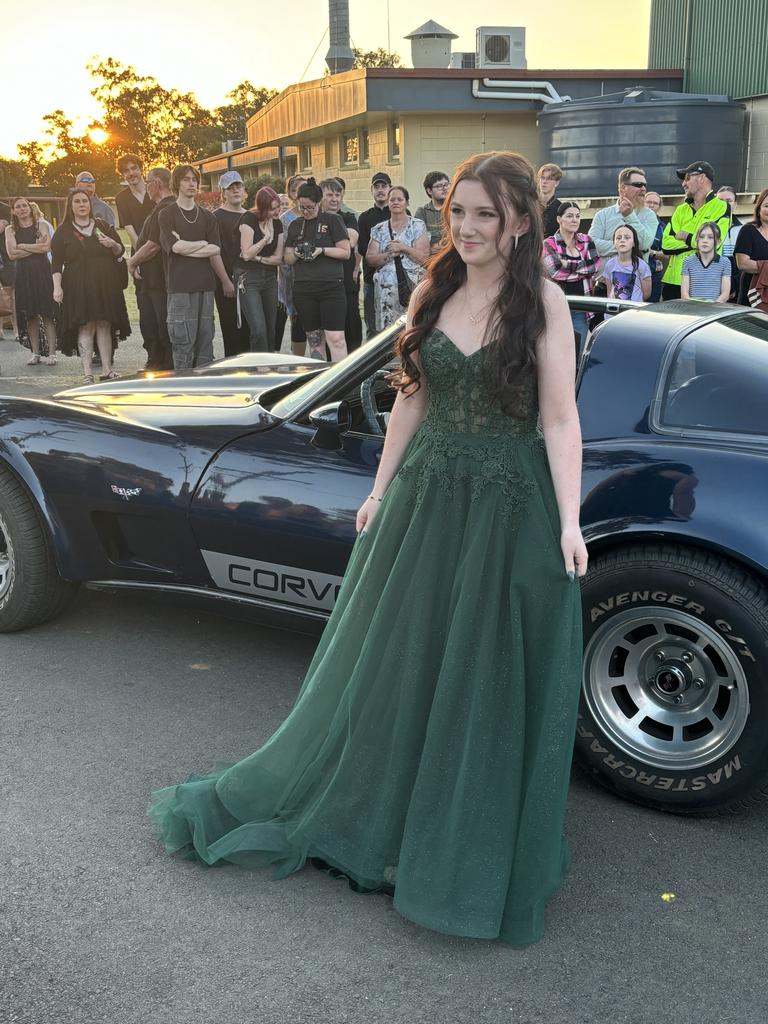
{"points": [[429, 749]]}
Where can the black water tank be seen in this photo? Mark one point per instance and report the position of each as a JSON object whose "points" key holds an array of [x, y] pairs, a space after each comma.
{"points": [[593, 138]]}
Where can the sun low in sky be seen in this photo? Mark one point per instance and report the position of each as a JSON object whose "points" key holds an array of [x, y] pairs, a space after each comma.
{"points": [[207, 49]]}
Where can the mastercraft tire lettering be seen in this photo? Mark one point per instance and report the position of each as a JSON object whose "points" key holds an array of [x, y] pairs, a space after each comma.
{"points": [[674, 701]]}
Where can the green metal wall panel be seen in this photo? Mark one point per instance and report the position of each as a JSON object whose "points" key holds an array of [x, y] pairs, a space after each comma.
{"points": [[722, 47], [666, 48]]}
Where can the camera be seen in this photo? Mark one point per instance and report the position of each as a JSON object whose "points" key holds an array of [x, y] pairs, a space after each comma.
{"points": [[304, 250]]}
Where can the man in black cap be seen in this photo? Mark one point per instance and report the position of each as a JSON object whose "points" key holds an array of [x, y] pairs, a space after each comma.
{"points": [[701, 206], [380, 186]]}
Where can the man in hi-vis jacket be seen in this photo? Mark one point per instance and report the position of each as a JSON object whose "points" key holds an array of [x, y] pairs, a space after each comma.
{"points": [[701, 205]]}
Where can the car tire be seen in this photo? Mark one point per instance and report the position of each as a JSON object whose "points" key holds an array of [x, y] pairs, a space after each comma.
{"points": [[31, 589], [674, 700]]}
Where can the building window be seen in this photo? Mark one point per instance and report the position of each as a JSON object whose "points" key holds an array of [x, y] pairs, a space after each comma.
{"points": [[394, 141], [305, 156], [364, 147], [350, 149]]}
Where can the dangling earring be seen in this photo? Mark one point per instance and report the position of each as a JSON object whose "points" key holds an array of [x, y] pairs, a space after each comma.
{"points": [[517, 238]]}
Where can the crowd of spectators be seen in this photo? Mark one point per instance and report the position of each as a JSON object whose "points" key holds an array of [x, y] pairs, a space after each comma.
{"points": [[297, 258]]}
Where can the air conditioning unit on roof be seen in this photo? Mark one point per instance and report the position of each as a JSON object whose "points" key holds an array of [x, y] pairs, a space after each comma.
{"points": [[500, 47], [463, 59]]}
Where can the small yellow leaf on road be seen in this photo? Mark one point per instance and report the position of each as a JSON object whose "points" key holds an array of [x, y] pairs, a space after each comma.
{"points": [[668, 897], [200, 666]]}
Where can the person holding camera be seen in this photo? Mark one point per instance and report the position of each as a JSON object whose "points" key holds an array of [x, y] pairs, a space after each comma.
{"points": [[316, 246]]}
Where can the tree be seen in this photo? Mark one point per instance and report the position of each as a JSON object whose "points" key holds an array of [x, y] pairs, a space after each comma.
{"points": [[245, 99], [380, 58], [252, 186], [13, 177], [139, 115], [162, 126]]}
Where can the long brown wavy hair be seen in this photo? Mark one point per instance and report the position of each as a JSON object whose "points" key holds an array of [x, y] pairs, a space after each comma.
{"points": [[517, 318]]}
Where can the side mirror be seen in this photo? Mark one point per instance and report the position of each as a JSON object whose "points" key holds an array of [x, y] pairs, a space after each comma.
{"points": [[330, 422]]}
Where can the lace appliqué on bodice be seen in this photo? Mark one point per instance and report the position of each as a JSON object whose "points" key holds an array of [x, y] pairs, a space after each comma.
{"points": [[465, 435]]}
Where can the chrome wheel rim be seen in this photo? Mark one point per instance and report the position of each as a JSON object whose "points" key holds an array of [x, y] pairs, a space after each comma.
{"points": [[665, 688], [6, 560]]}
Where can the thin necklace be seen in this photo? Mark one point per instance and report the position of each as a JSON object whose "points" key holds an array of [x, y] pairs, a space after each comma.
{"points": [[476, 318], [186, 218]]}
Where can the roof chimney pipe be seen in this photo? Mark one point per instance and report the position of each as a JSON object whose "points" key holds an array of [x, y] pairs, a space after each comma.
{"points": [[339, 57]]}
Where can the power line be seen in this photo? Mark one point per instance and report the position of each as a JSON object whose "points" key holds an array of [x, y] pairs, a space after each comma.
{"points": [[320, 43]]}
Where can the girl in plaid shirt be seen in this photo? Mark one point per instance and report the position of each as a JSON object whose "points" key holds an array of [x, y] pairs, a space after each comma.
{"points": [[571, 259]]}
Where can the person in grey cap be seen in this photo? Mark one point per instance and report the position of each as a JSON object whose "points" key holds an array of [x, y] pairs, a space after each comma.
{"points": [[228, 216], [380, 186], [700, 207]]}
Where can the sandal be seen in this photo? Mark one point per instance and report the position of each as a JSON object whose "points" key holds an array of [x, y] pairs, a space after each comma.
{"points": [[33, 361], [51, 361], [108, 376], [89, 378]]}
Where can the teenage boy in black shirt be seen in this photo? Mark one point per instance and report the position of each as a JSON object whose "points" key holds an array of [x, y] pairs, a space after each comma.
{"points": [[228, 215], [333, 196], [146, 266], [189, 236], [380, 185], [134, 205]]}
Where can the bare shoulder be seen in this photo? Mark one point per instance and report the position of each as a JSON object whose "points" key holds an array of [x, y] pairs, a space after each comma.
{"points": [[554, 299]]}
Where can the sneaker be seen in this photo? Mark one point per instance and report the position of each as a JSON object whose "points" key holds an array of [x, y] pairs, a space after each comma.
{"points": [[51, 361], [33, 361]]}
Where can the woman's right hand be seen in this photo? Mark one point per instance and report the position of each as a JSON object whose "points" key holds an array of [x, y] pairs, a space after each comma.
{"points": [[366, 513], [58, 293]]}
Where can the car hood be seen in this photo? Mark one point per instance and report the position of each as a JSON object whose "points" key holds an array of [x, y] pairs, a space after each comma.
{"points": [[224, 393]]}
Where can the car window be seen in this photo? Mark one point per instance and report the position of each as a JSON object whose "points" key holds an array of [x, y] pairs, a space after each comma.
{"points": [[341, 375], [719, 378]]}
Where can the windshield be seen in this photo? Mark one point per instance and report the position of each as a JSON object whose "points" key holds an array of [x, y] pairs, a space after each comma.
{"points": [[285, 403]]}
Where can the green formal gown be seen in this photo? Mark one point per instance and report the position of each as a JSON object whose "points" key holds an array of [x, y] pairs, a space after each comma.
{"points": [[429, 748]]}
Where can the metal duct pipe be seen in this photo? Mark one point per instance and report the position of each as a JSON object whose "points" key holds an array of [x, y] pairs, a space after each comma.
{"points": [[339, 57]]}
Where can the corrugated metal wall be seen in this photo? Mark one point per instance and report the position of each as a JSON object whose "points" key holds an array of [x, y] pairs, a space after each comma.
{"points": [[666, 47], [726, 47]]}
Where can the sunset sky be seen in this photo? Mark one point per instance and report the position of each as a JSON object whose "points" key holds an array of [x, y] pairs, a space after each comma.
{"points": [[208, 48]]}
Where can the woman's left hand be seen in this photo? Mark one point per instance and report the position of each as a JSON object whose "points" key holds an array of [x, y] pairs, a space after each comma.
{"points": [[107, 242], [574, 551]]}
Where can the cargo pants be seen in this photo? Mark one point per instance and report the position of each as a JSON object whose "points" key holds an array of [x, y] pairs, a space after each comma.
{"points": [[190, 328]]}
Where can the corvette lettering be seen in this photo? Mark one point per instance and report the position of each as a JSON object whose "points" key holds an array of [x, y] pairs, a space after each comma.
{"points": [[285, 583]]}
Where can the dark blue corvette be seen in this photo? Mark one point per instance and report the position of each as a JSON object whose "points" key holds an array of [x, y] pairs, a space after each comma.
{"points": [[239, 484]]}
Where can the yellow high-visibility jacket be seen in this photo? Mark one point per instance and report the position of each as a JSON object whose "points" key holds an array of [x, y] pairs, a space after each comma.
{"points": [[685, 218]]}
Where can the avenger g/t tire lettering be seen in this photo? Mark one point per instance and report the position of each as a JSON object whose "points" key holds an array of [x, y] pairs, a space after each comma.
{"points": [[674, 701], [31, 590]]}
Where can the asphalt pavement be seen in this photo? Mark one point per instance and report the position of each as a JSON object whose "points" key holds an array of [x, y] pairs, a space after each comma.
{"points": [[661, 920], [123, 695]]}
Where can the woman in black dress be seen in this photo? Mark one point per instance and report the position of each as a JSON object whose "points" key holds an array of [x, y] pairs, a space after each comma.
{"points": [[752, 246], [88, 282], [28, 244]]}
